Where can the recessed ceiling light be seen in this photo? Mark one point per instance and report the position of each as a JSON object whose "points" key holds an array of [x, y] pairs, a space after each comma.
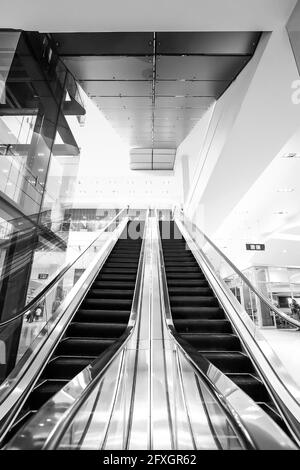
{"points": [[5, 171], [284, 251], [285, 190], [41, 169]]}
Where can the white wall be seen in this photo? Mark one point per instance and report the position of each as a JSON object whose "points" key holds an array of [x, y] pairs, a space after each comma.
{"points": [[251, 123]]}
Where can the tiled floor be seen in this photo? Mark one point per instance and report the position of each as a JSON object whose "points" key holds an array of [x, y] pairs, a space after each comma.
{"points": [[286, 344]]}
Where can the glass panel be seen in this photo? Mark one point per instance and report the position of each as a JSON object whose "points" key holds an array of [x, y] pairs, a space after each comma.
{"points": [[262, 319], [35, 320]]}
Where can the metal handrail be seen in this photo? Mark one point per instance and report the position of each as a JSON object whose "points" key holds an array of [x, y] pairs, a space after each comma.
{"points": [[59, 276], [231, 412], [259, 294]]}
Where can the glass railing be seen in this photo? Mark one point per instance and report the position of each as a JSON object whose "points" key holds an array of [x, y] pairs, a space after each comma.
{"points": [[17, 334], [218, 267]]}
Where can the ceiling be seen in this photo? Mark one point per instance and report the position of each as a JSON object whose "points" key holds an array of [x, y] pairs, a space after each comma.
{"points": [[137, 15], [154, 87]]}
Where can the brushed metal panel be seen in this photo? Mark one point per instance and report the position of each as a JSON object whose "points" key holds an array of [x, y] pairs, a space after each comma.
{"points": [[96, 88], [110, 68], [210, 88], [212, 42], [199, 67]]}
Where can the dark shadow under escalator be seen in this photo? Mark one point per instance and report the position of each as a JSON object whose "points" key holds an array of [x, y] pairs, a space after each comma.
{"points": [[99, 322], [202, 324]]}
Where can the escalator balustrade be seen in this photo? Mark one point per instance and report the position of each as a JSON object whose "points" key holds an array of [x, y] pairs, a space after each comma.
{"points": [[100, 320], [203, 324]]}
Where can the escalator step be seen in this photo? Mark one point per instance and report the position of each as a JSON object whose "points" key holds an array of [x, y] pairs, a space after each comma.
{"points": [[94, 316], [116, 264], [252, 386], [189, 301], [177, 255], [43, 392], [194, 276], [124, 270], [230, 362], [198, 312], [116, 277], [120, 260], [96, 330], [66, 367], [192, 291], [182, 269], [171, 264], [84, 346], [101, 304], [111, 293], [187, 283], [216, 342], [128, 255], [203, 326], [114, 285]]}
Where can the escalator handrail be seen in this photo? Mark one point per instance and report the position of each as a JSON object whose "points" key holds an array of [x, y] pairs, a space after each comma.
{"points": [[281, 386], [59, 276], [101, 364], [259, 294], [216, 390]]}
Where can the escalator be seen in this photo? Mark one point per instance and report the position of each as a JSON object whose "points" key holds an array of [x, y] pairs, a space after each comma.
{"points": [[100, 320], [202, 325]]}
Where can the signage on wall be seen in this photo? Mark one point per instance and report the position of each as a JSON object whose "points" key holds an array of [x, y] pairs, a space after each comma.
{"points": [[43, 276], [255, 247]]}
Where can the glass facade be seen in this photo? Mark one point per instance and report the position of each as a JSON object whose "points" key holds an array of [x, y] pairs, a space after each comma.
{"points": [[39, 100]]}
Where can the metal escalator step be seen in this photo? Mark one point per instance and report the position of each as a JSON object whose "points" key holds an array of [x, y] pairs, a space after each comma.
{"points": [[121, 260], [198, 312], [252, 386], [179, 264], [178, 255], [187, 283], [43, 392], [189, 301], [230, 362], [66, 367], [182, 269], [123, 285], [197, 275], [213, 342], [124, 270], [202, 326], [101, 304], [96, 330], [191, 291], [111, 293], [116, 264], [83, 346], [94, 316], [130, 255], [116, 277]]}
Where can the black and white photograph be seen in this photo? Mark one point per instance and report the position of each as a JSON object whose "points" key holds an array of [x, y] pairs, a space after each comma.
{"points": [[149, 229]]}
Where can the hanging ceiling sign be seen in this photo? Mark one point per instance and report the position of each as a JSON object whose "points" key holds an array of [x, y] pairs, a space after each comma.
{"points": [[255, 247]]}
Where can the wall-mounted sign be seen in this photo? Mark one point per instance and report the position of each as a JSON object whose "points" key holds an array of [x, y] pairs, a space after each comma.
{"points": [[255, 247], [43, 276]]}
